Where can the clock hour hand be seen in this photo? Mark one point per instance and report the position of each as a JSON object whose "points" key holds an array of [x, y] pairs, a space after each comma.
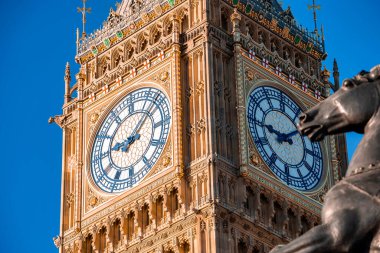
{"points": [[272, 130], [123, 146], [287, 137]]}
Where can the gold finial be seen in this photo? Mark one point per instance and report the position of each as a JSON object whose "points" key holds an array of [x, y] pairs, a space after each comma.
{"points": [[84, 10], [325, 72], [315, 8]]}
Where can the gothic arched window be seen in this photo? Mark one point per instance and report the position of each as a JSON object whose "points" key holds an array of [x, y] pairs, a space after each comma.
{"points": [[130, 225], [173, 202], [242, 247], [159, 210], [144, 218], [86, 246], [116, 233]]}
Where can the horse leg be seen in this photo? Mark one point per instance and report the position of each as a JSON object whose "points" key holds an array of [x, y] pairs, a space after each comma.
{"points": [[375, 244], [315, 240], [348, 214], [333, 236]]}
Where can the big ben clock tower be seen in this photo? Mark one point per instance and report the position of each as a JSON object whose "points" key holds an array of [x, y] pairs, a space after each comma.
{"points": [[179, 134]]}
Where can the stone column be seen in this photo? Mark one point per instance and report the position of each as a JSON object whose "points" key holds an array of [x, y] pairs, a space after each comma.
{"points": [[240, 93], [177, 106], [80, 126], [67, 79]]}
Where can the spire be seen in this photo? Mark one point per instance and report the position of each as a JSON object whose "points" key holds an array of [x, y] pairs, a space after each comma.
{"points": [[235, 19], [336, 75], [77, 42], [83, 11], [323, 38], [315, 8], [67, 83]]}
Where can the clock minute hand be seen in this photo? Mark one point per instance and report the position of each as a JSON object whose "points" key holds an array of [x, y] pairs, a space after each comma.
{"points": [[292, 133], [134, 135], [145, 115], [286, 137]]}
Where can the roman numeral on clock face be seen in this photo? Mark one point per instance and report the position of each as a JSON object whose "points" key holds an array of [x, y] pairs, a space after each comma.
{"points": [[157, 142], [262, 141], [130, 140], [273, 158], [272, 120]]}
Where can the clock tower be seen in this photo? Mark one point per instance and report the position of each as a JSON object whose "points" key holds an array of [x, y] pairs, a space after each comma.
{"points": [[179, 132]]}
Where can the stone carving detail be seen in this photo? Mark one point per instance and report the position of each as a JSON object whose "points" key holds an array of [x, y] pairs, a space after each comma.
{"points": [[218, 86], [203, 225], [227, 93], [190, 130], [57, 241], [320, 196], [165, 160], [251, 75], [200, 87], [94, 117], [189, 92], [255, 158], [93, 87], [229, 130], [60, 120], [201, 125], [70, 199], [183, 240], [93, 200], [163, 77]]}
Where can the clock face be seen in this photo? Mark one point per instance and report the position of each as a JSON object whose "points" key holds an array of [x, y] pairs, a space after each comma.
{"points": [[272, 118], [130, 140]]}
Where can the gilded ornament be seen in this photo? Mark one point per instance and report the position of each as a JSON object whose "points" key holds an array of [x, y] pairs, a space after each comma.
{"points": [[93, 87], [250, 74], [93, 201], [164, 76], [166, 161], [285, 32], [57, 241], [254, 159], [274, 24], [158, 10], [94, 118], [145, 17]]}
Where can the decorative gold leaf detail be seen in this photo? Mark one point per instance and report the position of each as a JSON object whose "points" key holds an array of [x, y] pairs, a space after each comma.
{"points": [[94, 117]]}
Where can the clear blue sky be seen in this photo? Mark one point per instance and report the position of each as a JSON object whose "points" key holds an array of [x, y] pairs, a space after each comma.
{"points": [[38, 38]]}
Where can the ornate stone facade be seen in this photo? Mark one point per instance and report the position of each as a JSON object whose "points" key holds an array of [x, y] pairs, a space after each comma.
{"points": [[209, 191]]}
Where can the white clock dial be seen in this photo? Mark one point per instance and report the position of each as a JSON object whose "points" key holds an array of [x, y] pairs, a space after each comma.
{"points": [[130, 140], [272, 118]]}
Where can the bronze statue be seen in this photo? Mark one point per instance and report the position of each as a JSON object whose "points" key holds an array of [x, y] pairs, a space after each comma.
{"points": [[351, 212]]}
